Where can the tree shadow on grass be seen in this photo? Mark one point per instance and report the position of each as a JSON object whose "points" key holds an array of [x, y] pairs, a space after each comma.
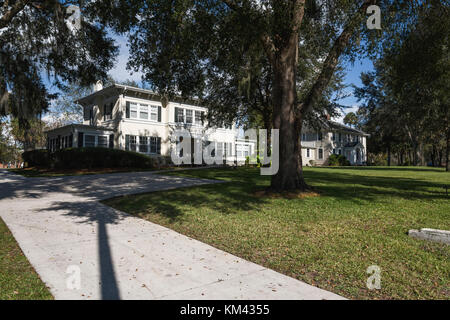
{"points": [[356, 187]]}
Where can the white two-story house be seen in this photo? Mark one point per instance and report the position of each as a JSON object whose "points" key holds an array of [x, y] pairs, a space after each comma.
{"points": [[333, 138], [135, 119]]}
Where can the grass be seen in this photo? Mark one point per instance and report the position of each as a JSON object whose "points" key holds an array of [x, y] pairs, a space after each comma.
{"points": [[18, 280], [360, 218]]}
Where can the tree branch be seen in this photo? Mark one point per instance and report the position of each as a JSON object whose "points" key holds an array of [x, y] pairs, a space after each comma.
{"points": [[332, 60], [9, 15]]}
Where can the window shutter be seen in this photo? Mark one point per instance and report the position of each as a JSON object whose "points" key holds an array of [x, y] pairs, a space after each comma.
{"points": [[176, 115], [80, 139], [158, 145], [159, 113], [127, 141], [127, 112]]}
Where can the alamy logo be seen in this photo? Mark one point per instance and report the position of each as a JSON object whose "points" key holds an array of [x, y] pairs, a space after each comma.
{"points": [[196, 150], [73, 281], [374, 281], [374, 21]]}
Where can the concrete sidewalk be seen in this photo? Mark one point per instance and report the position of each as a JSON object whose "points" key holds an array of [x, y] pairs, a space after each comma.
{"points": [[62, 229]]}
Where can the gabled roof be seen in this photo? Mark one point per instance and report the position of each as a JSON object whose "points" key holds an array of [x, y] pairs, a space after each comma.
{"points": [[115, 89], [79, 126], [339, 126]]}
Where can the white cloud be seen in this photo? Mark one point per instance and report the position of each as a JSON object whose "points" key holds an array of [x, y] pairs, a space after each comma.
{"points": [[340, 119]]}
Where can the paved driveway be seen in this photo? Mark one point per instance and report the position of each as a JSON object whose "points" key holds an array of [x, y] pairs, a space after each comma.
{"points": [[64, 231]]}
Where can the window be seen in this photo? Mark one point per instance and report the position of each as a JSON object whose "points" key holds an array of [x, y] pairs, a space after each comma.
{"points": [[220, 148], [357, 138], [333, 136], [340, 137], [179, 115], [199, 117], [340, 151], [143, 112], [303, 136], [102, 141], [130, 142], [154, 113], [155, 145], [189, 116], [111, 141], [334, 151], [308, 154], [80, 139], [319, 136], [239, 150], [320, 153], [143, 144], [133, 110], [89, 141], [107, 111]]}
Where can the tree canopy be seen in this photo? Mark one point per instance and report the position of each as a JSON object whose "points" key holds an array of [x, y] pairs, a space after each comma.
{"points": [[47, 41]]}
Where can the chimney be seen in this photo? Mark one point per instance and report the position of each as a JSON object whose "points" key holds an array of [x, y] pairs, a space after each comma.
{"points": [[98, 86]]}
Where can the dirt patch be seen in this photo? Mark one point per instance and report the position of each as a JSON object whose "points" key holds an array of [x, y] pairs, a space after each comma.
{"points": [[285, 195]]}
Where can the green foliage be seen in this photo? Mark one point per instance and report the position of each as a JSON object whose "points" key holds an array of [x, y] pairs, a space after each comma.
{"points": [[37, 158], [82, 158], [406, 102], [338, 160], [37, 40]]}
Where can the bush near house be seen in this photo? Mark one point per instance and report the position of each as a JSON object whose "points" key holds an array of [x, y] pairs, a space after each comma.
{"points": [[86, 158], [338, 160], [38, 158]]}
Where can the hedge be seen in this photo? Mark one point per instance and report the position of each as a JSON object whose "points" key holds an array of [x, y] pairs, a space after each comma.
{"points": [[338, 160], [82, 158], [37, 158]]}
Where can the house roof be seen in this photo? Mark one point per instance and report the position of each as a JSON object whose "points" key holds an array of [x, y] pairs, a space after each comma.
{"points": [[339, 126], [79, 126], [124, 89]]}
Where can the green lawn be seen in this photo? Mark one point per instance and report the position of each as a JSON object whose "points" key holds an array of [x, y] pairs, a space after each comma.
{"points": [[18, 280], [360, 219]]}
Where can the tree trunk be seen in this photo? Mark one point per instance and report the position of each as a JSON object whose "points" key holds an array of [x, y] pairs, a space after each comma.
{"points": [[289, 176], [447, 150], [389, 155]]}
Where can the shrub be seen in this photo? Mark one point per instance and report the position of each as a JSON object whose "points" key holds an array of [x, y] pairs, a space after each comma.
{"points": [[38, 158], [82, 158], [338, 160]]}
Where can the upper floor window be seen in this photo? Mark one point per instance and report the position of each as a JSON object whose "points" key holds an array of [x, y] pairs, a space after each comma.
{"points": [[179, 115], [340, 137], [199, 117], [319, 136], [107, 111], [154, 113], [333, 136], [303, 136], [189, 116], [143, 111], [133, 111], [308, 153]]}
